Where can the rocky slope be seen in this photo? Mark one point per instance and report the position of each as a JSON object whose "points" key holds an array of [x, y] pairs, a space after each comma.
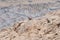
{"points": [[29, 20], [45, 28]]}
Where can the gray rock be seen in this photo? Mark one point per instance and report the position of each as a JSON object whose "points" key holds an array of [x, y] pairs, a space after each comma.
{"points": [[20, 12]]}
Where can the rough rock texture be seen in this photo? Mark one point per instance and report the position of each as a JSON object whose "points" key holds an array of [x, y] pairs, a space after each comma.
{"points": [[45, 28]]}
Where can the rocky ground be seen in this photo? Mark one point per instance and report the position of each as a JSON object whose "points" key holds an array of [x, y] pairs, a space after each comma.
{"points": [[29, 20]]}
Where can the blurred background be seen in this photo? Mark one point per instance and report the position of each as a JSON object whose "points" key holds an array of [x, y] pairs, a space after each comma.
{"points": [[13, 11]]}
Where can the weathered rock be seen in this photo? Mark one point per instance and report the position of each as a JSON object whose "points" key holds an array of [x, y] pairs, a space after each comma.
{"points": [[8, 34]]}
